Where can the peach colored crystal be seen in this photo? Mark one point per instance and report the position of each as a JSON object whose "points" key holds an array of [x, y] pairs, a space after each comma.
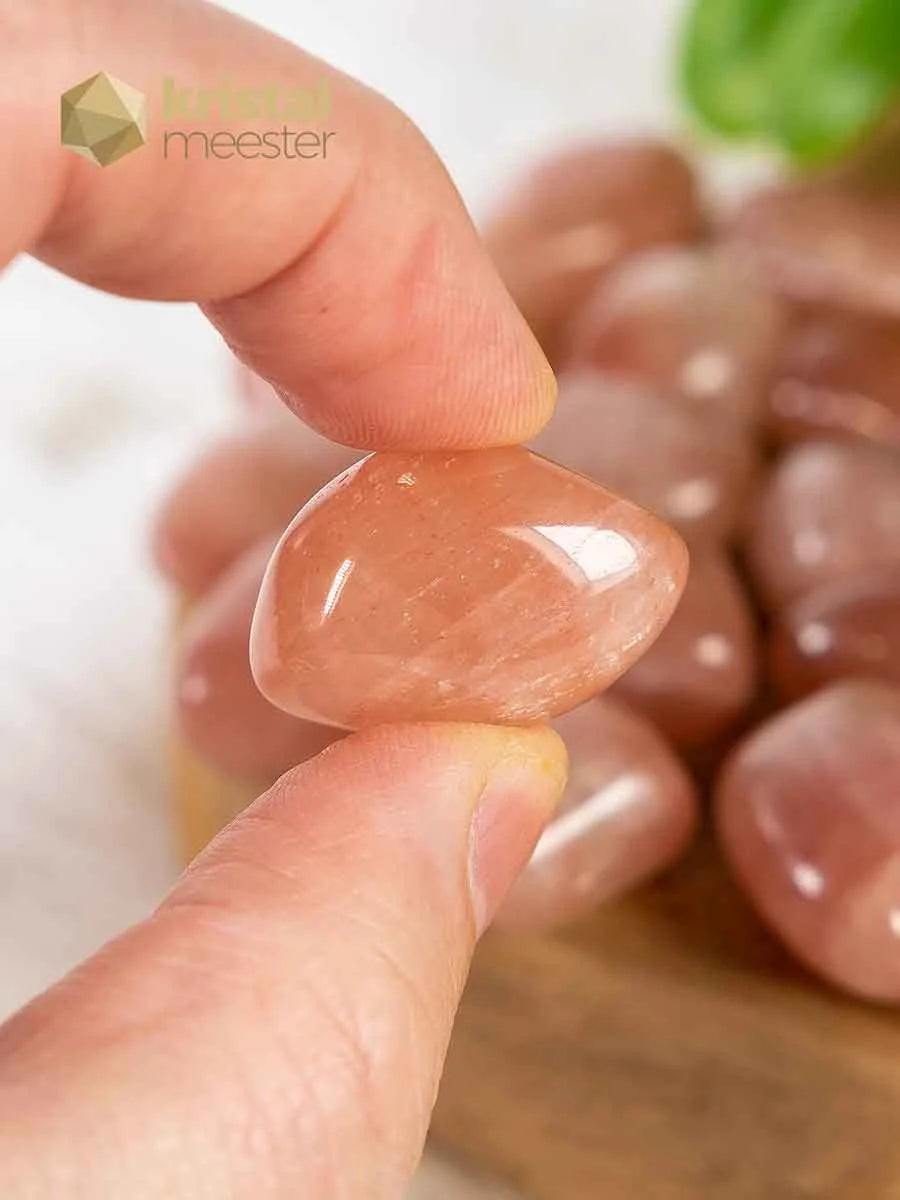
{"points": [[627, 812], [837, 376], [491, 585], [220, 711], [850, 627], [809, 815], [692, 322], [700, 674], [828, 511], [244, 487], [579, 213], [645, 445], [835, 244]]}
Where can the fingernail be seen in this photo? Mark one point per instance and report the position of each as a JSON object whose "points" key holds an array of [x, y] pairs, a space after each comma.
{"points": [[523, 788]]}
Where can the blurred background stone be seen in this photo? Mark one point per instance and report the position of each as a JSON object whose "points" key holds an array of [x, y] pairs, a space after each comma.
{"points": [[697, 475], [220, 711], [808, 812], [243, 487], [628, 811], [851, 627], [826, 243], [694, 322], [827, 511], [578, 213], [700, 675], [837, 375]]}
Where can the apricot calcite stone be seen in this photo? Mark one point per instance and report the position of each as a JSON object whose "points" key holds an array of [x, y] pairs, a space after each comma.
{"points": [[851, 627], [834, 243], [219, 709], [700, 674], [808, 812], [837, 375], [577, 214], [693, 322], [489, 585], [244, 487], [696, 474], [828, 511], [628, 811]]}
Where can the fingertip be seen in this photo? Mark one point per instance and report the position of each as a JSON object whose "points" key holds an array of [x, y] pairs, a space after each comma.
{"points": [[536, 753], [544, 393], [480, 792], [506, 413], [525, 775], [432, 353], [437, 748]]}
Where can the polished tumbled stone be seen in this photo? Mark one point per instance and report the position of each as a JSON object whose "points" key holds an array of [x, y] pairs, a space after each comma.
{"points": [[826, 243], [700, 674], [220, 711], [490, 585], [808, 811], [244, 487], [628, 811], [695, 474], [576, 215], [828, 511], [837, 375], [690, 321], [851, 627]]}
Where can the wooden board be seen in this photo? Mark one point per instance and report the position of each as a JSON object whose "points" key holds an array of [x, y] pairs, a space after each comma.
{"points": [[667, 1049], [205, 800]]}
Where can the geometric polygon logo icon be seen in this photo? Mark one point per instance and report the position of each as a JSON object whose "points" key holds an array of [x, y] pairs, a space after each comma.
{"points": [[103, 119]]}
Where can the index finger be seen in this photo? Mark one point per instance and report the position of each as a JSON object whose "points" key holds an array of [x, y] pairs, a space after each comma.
{"points": [[353, 280]]}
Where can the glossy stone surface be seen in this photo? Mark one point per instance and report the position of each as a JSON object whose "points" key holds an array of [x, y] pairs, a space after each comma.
{"points": [[628, 811], [826, 243], [808, 811], [837, 375], [577, 214], [695, 322], [851, 627], [828, 511], [243, 487], [488, 585], [220, 711], [700, 674], [695, 474]]}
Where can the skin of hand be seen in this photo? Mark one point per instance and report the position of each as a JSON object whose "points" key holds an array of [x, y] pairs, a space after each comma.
{"points": [[277, 1027]]}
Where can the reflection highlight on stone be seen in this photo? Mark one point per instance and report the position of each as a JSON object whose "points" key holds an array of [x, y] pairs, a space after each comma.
{"points": [[628, 811], [491, 585]]}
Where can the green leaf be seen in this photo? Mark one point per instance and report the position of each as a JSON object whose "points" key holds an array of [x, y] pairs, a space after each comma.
{"points": [[827, 83], [812, 76], [724, 61]]}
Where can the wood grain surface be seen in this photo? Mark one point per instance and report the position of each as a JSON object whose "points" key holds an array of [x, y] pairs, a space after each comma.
{"points": [[668, 1050], [205, 799]]}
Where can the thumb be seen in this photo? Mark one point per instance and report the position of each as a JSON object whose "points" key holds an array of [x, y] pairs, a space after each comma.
{"points": [[277, 1028]]}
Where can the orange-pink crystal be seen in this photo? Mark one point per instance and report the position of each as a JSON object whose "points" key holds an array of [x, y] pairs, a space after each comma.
{"points": [[808, 813], [490, 585]]}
